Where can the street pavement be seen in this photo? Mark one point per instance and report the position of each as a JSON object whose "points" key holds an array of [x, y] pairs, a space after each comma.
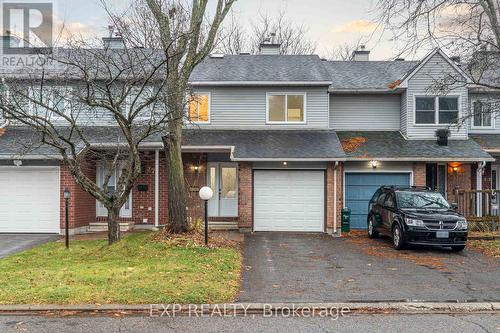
{"points": [[354, 323]]}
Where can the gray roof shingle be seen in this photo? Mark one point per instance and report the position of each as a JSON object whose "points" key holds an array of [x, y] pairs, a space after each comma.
{"points": [[367, 74], [259, 68], [392, 145], [487, 141], [270, 144], [23, 141]]}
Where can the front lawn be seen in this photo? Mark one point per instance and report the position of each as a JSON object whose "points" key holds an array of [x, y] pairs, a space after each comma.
{"points": [[135, 270]]}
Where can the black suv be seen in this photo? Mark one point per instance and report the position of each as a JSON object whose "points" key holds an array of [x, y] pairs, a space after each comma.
{"points": [[415, 216]]}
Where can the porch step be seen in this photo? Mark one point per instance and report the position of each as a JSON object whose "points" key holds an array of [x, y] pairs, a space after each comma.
{"points": [[103, 226], [215, 225]]}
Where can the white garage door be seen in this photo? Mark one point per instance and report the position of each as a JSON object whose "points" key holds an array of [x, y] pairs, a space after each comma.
{"points": [[29, 199], [289, 200]]}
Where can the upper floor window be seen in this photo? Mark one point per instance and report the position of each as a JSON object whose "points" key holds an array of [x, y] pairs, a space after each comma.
{"points": [[285, 108], [436, 110], [482, 114], [199, 108]]}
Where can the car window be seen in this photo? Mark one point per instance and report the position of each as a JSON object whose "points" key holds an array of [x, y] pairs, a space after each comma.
{"points": [[381, 198], [375, 195], [389, 201]]}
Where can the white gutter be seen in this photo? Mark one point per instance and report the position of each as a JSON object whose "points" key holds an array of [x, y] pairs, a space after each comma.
{"points": [[157, 187], [260, 83], [423, 159], [335, 198], [479, 186], [30, 157], [396, 91]]}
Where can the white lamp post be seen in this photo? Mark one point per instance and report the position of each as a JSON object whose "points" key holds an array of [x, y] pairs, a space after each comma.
{"points": [[206, 194]]}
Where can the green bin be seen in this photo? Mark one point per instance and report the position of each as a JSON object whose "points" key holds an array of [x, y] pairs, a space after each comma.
{"points": [[346, 219]]}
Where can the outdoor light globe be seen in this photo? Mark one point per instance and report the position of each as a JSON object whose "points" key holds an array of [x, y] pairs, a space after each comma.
{"points": [[206, 193]]}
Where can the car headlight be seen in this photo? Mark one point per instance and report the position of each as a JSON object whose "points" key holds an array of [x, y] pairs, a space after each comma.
{"points": [[462, 224], [414, 222]]}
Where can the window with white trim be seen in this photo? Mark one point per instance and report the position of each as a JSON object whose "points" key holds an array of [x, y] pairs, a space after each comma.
{"points": [[199, 108], [436, 110], [285, 108], [482, 116], [55, 98]]}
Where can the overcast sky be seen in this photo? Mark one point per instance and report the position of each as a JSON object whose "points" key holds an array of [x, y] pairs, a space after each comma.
{"points": [[330, 22]]}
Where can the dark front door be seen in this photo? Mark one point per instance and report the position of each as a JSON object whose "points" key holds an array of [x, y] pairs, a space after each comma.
{"points": [[436, 177]]}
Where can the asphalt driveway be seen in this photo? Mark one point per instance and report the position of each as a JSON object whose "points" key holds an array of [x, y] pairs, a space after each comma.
{"points": [[13, 243], [287, 267]]}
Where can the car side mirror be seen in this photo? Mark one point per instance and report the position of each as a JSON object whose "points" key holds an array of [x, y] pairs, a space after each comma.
{"points": [[454, 206]]}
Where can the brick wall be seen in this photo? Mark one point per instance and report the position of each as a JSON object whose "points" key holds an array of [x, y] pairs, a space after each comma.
{"points": [[330, 189], [82, 206], [340, 193], [245, 195], [419, 174]]}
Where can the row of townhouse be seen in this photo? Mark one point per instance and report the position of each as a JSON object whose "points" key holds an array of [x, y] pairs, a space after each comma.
{"points": [[285, 142]]}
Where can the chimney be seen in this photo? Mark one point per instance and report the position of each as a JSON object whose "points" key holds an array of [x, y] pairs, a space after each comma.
{"points": [[269, 46], [361, 54], [442, 135], [113, 42]]}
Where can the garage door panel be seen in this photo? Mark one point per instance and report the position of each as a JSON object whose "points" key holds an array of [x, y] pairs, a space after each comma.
{"points": [[360, 187], [30, 200], [288, 200]]}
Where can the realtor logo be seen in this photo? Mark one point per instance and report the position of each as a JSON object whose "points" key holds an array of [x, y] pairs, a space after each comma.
{"points": [[26, 26]]}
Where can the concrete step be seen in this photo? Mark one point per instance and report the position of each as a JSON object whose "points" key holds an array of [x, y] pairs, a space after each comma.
{"points": [[215, 225], [103, 226]]}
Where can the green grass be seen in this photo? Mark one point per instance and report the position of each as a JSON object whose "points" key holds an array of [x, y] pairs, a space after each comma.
{"points": [[135, 270]]}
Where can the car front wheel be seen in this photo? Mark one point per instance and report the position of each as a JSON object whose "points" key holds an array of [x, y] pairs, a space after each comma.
{"points": [[397, 238], [372, 233]]}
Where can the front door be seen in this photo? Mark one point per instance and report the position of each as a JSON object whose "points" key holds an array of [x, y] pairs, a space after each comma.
{"points": [[436, 177], [102, 171], [223, 180]]}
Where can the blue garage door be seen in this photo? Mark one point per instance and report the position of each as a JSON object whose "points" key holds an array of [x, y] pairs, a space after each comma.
{"points": [[359, 189]]}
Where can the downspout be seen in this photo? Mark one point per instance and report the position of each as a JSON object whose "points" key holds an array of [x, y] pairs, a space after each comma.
{"points": [[335, 198], [479, 186], [157, 187]]}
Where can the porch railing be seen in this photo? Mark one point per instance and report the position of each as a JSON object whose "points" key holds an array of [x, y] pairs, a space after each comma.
{"points": [[480, 207]]}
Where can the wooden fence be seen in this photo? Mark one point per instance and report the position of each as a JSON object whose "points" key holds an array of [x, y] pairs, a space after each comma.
{"points": [[482, 217]]}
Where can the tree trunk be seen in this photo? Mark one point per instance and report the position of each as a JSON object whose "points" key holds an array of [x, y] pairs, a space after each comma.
{"points": [[176, 186], [113, 225]]}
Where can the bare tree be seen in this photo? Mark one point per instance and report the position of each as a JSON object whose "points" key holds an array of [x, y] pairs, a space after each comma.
{"points": [[466, 29], [187, 36], [71, 91], [344, 51], [292, 36]]}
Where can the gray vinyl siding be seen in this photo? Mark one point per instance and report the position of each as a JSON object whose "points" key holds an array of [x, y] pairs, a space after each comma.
{"points": [[419, 85], [365, 112], [493, 98], [404, 113], [245, 107]]}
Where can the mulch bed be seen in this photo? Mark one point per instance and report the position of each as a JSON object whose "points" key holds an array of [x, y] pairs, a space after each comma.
{"points": [[195, 238]]}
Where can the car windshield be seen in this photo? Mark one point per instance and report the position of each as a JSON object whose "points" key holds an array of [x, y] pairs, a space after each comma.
{"points": [[421, 200]]}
